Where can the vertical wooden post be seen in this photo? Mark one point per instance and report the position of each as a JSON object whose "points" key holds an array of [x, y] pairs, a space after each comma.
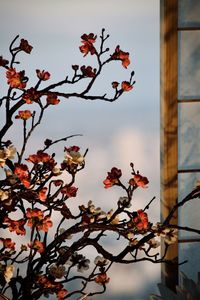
{"points": [[169, 125]]}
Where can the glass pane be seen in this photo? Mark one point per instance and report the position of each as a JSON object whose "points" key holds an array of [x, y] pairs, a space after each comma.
{"points": [[189, 12], [190, 252], [188, 135], [189, 65], [189, 213]]}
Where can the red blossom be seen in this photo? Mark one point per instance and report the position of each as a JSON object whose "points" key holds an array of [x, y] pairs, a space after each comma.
{"points": [[8, 243], [24, 114], [88, 40], [22, 172], [102, 279], [61, 294], [44, 281], [112, 178], [33, 215], [52, 99], [40, 157], [45, 224], [31, 96], [36, 218], [121, 55], [24, 46], [69, 191], [126, 86], [88, 72], [37, 245], [16, 226], [141, 221], [43, 75], [42, 194], [139, 180], [15, 79], [108, 183]]}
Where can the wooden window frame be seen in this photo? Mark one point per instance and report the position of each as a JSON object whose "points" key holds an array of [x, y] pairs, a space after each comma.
{"points": [[169, 128]]}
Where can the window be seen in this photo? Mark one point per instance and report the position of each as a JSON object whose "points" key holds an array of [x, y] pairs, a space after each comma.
{"points": [[180, 108]]}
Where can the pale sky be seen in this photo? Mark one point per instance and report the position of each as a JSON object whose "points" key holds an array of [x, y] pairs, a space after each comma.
{"points": [[116, 133]]}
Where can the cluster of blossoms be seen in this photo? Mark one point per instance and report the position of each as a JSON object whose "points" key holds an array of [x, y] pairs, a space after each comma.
{"points": [[125, 86], [88, 41], [170, 235], [91, 214], [43, 161], [141, 221], [114, 175], [16, 226], [50, 286], [32, 96], [22, 172], [36, 219], [137, 224], [16, 79]]}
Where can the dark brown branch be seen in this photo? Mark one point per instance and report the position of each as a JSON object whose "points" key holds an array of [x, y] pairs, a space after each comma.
{"points": [[194, 194]]}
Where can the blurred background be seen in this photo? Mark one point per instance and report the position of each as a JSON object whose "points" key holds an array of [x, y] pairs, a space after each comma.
{"points": [[115, 133]]}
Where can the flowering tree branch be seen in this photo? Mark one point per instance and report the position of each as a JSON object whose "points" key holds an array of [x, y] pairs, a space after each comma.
{"points": [[35, 190]]}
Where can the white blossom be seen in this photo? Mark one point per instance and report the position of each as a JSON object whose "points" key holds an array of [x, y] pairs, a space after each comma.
{"points": [[8, 152], [57, 271], [8, 273], [74, 158], [4, 195], [83, 265], [101, 261]]}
